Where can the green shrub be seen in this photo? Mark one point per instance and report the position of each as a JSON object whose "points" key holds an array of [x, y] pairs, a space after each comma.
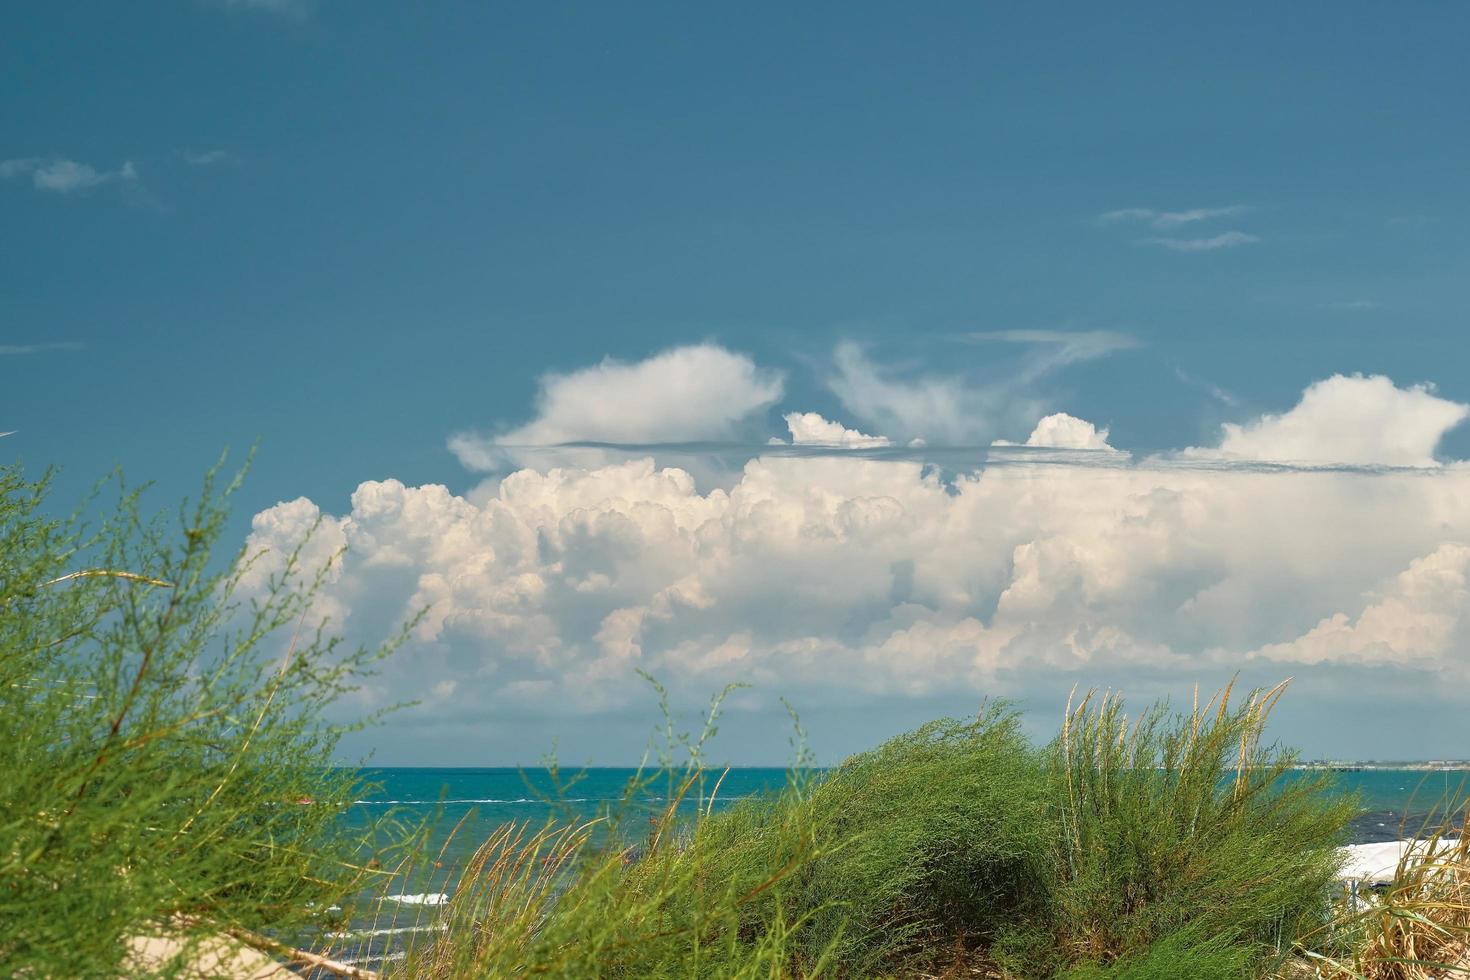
{"points": [[157, 739], [934, 838]]}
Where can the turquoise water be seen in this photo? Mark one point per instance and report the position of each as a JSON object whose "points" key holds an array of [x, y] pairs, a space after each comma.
{"points": [[487, 798], [464, 806], [1395, 802]]}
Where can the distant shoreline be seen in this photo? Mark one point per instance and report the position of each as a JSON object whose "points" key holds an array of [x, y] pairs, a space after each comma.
{"points": [[1449, 766]]}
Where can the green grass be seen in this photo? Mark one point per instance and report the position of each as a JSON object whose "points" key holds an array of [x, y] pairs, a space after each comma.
{"points": [[1184, 822], [1182, 954], [1172, 845]]}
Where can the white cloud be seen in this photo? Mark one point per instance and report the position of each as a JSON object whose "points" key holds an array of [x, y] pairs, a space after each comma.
{"points": [[1229, 239], [836, 576], [685, 394], [1348, 419], [1423, 613], [1063, 431], [62, 176], [1164, 220], [810, 429]]}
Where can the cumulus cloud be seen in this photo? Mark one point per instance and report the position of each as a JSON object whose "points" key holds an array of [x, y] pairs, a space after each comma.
{"points": [[810, 429], [686, 394], [1063, 431], [1164, 220], [1422, 613], [1348, 419], [836, 575], [1229, 239], [61, 176]]}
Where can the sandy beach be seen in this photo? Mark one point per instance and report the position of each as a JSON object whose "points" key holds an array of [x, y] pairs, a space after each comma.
{"points": [[220, 957]]}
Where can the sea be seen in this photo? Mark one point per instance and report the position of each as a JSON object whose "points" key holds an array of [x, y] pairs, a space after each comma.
{"points": [[461, 807]]}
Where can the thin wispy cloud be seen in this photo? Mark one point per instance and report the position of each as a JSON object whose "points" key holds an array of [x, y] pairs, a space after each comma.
{"points": [[1068, 345], [1229, 239], [1164, 220], [1351, 305], [62, 176], [1171, 220], [1213, 390], [6, 349], [953, 458], [207, 158], [952, 407], [294, 9]]}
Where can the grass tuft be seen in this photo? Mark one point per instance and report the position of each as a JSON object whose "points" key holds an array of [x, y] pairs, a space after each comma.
{"points": [[1417, 927]]}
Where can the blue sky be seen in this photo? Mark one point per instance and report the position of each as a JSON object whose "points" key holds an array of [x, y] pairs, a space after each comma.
{"points": [[353, 230]]}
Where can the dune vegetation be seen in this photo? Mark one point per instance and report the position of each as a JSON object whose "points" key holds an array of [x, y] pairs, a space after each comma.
{"points": [[1122, 849], [162, 741], [156, 742], [1173, 844]]}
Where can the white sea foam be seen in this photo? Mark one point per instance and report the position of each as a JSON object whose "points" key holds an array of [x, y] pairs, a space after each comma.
{"points": [[580, 799], [361, 933], [426, 898]]}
